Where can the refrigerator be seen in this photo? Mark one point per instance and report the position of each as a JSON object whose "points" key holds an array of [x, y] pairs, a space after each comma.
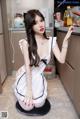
{"points": [[3, 72]]}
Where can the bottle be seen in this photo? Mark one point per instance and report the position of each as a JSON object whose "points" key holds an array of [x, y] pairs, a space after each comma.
{"points": [[65, 18], [69, 16]]}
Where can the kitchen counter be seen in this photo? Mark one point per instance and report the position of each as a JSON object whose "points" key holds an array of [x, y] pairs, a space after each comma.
{"points": [[65, 29], [23, 29]]}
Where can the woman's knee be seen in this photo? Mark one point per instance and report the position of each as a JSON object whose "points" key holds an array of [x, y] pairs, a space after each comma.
{"points": [[37, 105], [25, 106]]}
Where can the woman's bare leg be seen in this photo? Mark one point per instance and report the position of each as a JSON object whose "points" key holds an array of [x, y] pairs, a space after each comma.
{"points": [[37, 105]]}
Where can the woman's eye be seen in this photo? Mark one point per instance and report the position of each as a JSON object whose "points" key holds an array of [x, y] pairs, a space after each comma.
{"points": [[41, 20], [36, 22]]}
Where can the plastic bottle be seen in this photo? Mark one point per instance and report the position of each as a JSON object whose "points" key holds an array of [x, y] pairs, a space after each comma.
{"points": [[69, 16], [65, 18]]}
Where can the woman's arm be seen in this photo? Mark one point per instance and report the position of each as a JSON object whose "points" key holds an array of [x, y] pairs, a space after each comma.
{"points": [[28, 68], [61, 55]]}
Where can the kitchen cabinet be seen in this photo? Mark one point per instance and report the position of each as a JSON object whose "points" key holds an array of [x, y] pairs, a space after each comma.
{"points": [[1, 30], [3, 72], [77, 90], [0, 85], [69, 72], [17, 57]]}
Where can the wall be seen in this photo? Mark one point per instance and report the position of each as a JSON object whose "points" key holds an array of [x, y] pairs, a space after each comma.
{"points": [[20, 6], [9, 12], [23, 5]]}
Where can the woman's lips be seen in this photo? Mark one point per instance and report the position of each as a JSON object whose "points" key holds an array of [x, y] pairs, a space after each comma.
{"points": [[41, 29]]}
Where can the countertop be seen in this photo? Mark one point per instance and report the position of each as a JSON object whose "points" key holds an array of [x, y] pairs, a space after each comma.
{"points": [[23, 29], [76, 30], [62, 29]]}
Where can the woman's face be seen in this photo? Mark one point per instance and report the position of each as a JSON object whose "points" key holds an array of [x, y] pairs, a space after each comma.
{"points": [[39, 27]]}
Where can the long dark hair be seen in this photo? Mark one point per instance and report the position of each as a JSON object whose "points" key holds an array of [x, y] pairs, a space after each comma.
{"points": [[29, 21]]}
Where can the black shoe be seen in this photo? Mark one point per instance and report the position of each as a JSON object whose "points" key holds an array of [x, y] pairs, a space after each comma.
{"points": [[35, 111]]}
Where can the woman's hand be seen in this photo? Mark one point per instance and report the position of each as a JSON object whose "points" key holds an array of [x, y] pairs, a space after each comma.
{"points": [[28, 98], [28, 101], [71, 28]]}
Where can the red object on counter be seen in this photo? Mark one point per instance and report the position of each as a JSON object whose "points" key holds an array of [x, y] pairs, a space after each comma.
{"points": [[48, 69]]}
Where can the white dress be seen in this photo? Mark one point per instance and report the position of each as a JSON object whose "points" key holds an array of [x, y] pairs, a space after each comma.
{"points": [[39, 83]]}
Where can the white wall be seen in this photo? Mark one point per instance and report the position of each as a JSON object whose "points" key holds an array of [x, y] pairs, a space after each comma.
{"points": [[24, 5], [20, 6]]}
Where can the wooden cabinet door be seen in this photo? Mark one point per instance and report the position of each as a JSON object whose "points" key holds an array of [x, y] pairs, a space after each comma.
{"points": [[18, 57], [77, 90], [73, 54], [67, 74], [66, 70], [2, 60], [1, 30], [70, 71]]}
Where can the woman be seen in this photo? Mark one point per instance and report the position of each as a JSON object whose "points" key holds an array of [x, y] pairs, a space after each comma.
{"points": [[31, 85]]}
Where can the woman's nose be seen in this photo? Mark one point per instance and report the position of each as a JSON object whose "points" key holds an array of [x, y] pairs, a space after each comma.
{"points": [[41, 25]]}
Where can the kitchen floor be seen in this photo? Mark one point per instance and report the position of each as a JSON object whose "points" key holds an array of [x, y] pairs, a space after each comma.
{"points": [[61, 106]]}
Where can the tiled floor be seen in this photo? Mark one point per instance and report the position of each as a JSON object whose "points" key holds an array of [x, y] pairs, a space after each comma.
{"points": [[61, 107]]}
